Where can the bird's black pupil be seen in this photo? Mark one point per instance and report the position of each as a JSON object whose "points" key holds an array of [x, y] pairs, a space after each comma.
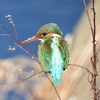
{"points": [[44, 34]]}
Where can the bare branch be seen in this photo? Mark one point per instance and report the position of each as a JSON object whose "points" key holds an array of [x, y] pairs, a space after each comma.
{"points": [[94, 58], [4, 35], [53, 86], [9, 33], [27, 51], [81, 67], [20, 45], [12, 22], [88, 16], [21, 80], [26, 78]]}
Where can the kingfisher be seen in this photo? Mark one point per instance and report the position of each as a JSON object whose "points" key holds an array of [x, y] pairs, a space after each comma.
{"points": [[53, 50]]}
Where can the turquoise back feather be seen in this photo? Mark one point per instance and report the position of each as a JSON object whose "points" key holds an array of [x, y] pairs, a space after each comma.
{"points": [[56, 64]]}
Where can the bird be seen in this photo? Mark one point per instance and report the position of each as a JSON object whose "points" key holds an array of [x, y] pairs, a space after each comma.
{"points": [[53, 50]]}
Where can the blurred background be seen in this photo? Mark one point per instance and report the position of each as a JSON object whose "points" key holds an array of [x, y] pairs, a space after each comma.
{"points": [[28, 17]]}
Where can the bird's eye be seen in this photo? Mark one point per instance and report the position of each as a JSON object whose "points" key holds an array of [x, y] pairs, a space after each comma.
{"points": [[44, 33]]}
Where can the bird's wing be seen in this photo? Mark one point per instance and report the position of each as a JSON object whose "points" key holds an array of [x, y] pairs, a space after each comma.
{"points": [[64, 49], [44, 54]]}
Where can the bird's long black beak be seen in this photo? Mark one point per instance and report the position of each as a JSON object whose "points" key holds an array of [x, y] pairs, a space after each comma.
{"points": [[30, 40]]}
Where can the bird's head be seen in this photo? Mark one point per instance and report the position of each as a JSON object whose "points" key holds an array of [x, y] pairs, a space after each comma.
{"points": [[45, 32]]}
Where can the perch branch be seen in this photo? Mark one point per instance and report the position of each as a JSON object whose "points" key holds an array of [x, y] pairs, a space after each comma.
{"points": [[27, 51]]}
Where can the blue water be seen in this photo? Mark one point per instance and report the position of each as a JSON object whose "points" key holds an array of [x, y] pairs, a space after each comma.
{"points": [[29, 16]]}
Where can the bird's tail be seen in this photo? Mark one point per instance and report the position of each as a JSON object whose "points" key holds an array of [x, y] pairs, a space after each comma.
{"points": [[56, 74]]}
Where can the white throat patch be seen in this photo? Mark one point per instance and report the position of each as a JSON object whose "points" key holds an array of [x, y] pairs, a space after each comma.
{"points": [[56, 35]]}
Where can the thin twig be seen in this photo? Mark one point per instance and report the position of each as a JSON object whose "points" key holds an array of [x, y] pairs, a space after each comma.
{"points": [[21, 80], [27, 51], [26, 78], [94, 58], [94, 51], [21, 46], [88, 16], [94, 41], [12, 22], [4, 35], [53, 86], [90, 80], [81, 67]]}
